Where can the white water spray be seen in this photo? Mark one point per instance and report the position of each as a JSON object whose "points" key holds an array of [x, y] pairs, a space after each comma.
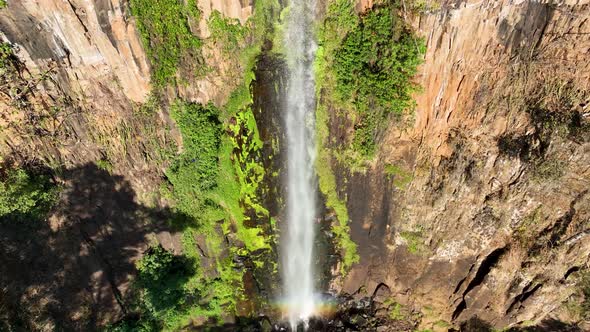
{"points": [[298, 238]]}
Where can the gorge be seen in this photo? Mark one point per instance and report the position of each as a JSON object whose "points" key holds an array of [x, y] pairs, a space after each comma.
{"points": [[328, 165]]}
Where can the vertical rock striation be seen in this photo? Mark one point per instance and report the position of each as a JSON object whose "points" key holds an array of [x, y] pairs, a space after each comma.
{"points": [[497, 212]]}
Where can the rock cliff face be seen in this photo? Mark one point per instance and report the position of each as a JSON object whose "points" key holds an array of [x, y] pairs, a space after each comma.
{"points": [[495, 222], [84, 74], [86, 59]]}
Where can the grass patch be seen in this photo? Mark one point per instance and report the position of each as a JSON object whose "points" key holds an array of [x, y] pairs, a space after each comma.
{"points": [[415, 242], [584, 286], [526, 234], [165, 28], [443, 324], [423, 6], [105, 165], [396, 312], [578, 304], [228, 32], [548, 169], [401, 178]]}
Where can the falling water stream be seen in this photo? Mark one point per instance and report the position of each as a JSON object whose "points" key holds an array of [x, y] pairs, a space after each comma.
{"points": [[298, 237]]}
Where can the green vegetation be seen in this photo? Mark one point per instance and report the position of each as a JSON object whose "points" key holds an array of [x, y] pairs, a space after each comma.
{"points": [[25, 196], [364, 67], [584, 285], [204, 191], [578, 304], [165, 27], [213, 186], [421, 6], [194, 171], [3, 4], [372, 59], [247, 145], [6, 56], [163, 281], [227, 31], [443, 324], [396, 312], [105, 165], [552, 108], [163, 292], [242, 144], [205, 187], [327, 184], [414, 241], [548, 169], [401, 178], [526, 232]]}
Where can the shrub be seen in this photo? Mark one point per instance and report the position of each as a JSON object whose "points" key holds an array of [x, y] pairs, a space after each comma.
{"points": [[374, 65], [162, 275], [194, 171], [25, 196], [227, 31]]}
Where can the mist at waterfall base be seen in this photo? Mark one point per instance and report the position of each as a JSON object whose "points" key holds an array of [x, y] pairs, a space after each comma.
{"points": [[297, 239]]}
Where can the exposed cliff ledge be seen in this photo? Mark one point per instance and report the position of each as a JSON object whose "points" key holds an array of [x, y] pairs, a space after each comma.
{"points": [[497, 211]]}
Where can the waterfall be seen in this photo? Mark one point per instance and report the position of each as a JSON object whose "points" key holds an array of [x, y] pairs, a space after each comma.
{"points": [[299, 114]]}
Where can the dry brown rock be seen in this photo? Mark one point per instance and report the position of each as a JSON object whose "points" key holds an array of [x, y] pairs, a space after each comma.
{"points": [[498, 210]]}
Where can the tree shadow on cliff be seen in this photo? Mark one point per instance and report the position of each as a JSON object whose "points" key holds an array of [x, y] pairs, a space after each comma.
{"points": [[70, 272]]}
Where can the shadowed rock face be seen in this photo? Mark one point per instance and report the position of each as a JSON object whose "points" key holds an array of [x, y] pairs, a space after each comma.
{"points": [[71, 273]]}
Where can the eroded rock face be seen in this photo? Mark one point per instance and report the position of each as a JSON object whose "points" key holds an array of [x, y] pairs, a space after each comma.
{"points": [[498, 210], [93, 42], [87, 60], [86, 74], [493, 225]]}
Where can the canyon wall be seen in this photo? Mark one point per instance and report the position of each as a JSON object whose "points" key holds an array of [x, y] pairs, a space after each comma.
{"points": [[493, 224], [495, 221], [86, 59], [80, 103]]}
